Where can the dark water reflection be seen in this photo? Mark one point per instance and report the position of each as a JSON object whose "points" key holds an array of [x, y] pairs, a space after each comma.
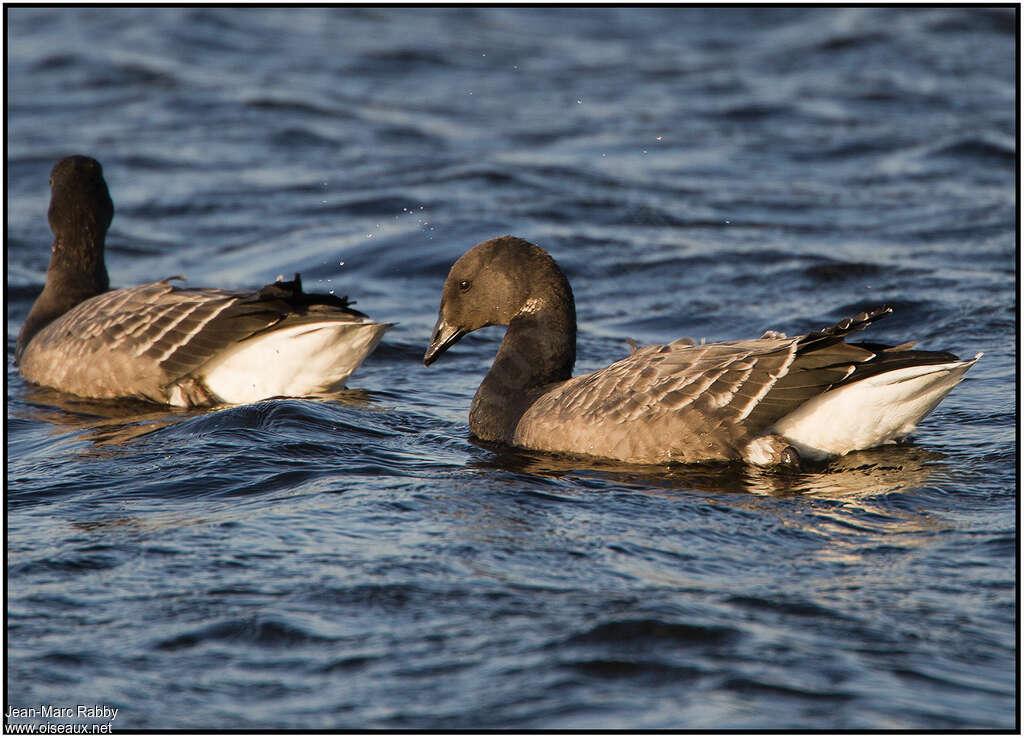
{"points": [[860, 474]]}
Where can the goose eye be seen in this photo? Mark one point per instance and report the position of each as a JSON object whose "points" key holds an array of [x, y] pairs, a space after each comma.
{"points": [[464, 285]]}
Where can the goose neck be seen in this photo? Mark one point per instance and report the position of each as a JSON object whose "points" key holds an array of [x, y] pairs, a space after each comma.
{"points": [[539, 349]]}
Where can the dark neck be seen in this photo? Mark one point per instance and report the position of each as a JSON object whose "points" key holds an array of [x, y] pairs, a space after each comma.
{"points": [[74, 275], [539, 348]]}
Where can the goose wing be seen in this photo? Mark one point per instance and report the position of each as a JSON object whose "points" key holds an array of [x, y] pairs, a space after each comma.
{"points": [[710, 395], [725, 380]]}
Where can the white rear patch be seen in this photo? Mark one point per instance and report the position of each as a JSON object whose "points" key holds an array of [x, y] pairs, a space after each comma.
{"points": [[880, 409], [292, 362]]}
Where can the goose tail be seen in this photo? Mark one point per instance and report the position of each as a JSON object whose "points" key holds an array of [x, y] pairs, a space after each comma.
{"points": [[298, 361], [882, 408]]}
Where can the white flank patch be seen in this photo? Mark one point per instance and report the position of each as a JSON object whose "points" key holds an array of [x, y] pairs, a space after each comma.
{"points": [[873, 411], [761, 451], [291, 362]]}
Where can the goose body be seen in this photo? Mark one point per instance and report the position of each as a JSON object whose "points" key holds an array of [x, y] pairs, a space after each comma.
{"points": [[765, 401], [173, 345]]}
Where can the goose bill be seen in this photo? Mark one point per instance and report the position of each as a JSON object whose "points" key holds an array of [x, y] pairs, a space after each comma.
{"points": [[444, 337]]}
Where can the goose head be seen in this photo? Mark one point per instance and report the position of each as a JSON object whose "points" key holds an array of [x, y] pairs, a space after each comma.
{"points": [[492, 284], [80, 204]]}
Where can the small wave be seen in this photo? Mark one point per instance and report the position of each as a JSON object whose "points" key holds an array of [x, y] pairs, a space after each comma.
{"points": [[650, 632], [279, 415], [543, 137], [380, 598], [54, 62], [841, 271], [252, 631], [748, 686], [302, 139], [850, 41], [399, 134], [298, 108], [152, 162], [344, 665], [961, 20], [486, 175], [95, 558], [396, 60], [977, 149], [846, 150], [752, 112], [130, 75], [367, 207], [634, 670], [783, 607], [67, 659], [159, 210]]}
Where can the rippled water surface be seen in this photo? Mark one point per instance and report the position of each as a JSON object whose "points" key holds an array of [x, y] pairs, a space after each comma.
{"points": [[358, 561]]}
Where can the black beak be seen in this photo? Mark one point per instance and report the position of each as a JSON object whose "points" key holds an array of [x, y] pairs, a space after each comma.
{"points": [[444, 337]]}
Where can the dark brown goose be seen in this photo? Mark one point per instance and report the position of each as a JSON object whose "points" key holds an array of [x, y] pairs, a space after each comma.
{"points": [[166, 344], [766, 401]]}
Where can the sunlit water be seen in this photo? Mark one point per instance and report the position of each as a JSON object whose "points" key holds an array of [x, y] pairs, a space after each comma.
{"points": [[359, 562]]}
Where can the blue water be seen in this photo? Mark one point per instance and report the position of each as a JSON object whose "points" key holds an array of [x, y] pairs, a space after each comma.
{"points": [[360, 562]]}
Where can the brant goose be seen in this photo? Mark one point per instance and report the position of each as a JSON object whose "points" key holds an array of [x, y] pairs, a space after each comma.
{"points": [[771, 400], [158, 342]]}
